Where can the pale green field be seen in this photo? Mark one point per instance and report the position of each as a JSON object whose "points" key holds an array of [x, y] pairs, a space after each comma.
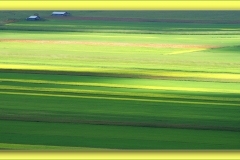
{"points": [[107, 56]]}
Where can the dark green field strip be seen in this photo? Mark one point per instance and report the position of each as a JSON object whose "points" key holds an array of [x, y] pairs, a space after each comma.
{"points": [[116, 121], [100, 85], [117, 110], [123, 30], [104, 87], [100, 94], [68, 79], [12, 146], [115, 137], [143, 75], [212, 15], [102, 25]]}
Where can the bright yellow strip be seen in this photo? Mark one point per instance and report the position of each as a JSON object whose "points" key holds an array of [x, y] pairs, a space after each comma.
{"points": [[151, 95], [114, 98], [124, 86], [186, 51], [124, 155], [119, 5]]}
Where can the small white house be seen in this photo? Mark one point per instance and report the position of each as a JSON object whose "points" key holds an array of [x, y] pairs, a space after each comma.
{"points": [[33, 18], [60, 13]]}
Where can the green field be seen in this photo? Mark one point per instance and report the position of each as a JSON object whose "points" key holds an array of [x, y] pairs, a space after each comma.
{"points": [[150, 82]]}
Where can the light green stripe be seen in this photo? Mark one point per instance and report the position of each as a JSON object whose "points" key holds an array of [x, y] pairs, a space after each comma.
{"points": [[123, 86], [124, 99], [152, 95]]}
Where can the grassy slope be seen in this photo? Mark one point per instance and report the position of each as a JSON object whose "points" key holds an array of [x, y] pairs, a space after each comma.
{"points": [[123, 57], [14, 146], [115, 136], [172, 102], [164, 109], [188, 15], [217, 115], [123, 27], [119, 26]]}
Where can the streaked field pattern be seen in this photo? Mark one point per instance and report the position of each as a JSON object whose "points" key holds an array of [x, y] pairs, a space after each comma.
{"points": [[107, 80]]}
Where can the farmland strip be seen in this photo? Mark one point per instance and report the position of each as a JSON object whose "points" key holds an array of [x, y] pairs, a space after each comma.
{"points": [[122, 123], [44, 147], [152, 95], [109, 43], [123, 86], [116, 98], [173, 75]]}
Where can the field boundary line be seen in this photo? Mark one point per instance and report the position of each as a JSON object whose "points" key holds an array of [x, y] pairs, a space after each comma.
{"points": [[135, 94], [115, 98], [122, 86], [135, 73], [186, 51]]}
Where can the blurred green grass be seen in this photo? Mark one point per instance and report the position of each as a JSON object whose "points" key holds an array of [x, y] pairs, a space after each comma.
{"points": [[48, 109]]}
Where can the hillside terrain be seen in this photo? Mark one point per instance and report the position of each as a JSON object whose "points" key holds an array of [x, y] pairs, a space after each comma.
{"points": [[100, 80]]}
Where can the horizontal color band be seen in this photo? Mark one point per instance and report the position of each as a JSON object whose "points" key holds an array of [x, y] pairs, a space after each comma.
{"points": [[200, 155], [120, 5]]}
